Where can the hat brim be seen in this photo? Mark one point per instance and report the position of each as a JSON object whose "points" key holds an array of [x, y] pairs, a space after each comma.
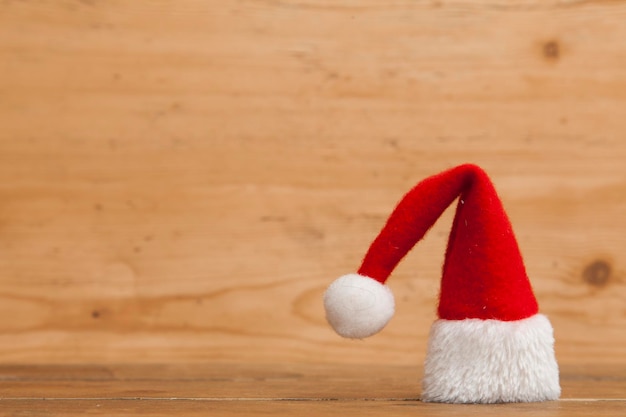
{"points": [[491, 361]]}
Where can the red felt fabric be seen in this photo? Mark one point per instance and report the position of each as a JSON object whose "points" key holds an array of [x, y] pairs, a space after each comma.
{"points": [[483, 273]]}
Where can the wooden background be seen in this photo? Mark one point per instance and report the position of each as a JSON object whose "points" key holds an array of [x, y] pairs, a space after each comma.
{"points": [[180, 180]]}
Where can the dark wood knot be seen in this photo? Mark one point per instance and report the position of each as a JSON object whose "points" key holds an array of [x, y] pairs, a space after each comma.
{"points": [[597, 273]]}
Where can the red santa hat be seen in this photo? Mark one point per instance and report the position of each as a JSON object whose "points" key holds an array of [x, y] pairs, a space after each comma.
{"points": [[489, 343]]}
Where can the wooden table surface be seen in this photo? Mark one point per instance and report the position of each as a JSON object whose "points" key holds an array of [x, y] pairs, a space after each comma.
{"points": [[285, 389]]}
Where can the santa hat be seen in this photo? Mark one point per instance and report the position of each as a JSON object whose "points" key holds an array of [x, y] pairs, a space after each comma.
{"points": [[489, 344]]}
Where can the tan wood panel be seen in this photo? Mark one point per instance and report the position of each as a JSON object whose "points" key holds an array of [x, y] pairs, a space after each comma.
{"points": [[179, 180]]}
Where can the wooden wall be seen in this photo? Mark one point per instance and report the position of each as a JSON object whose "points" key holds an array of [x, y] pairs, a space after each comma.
{"points": [[180, 180]]}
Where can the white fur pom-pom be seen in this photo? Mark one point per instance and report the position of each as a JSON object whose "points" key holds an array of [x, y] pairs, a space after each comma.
{"points": [[358, 306]]}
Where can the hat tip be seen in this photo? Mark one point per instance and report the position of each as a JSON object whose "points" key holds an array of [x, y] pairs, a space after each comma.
{"points": [[358, 306]]}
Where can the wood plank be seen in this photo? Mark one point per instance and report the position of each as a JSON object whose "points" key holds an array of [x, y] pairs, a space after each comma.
{"points": [[283, 389], [262, 382], [180, 180], [125, 408]]}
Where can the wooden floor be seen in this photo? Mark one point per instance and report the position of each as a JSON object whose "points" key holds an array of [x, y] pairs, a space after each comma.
{"points": [[235, 390]]}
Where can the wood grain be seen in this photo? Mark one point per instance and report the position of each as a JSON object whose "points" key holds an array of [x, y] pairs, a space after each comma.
{"points": [[194, 408], [278, 389], [180, 180], [254, 381]]}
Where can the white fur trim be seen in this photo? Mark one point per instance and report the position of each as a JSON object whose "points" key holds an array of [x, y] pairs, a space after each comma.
{"points": [[358, 306], [491, 361]]}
